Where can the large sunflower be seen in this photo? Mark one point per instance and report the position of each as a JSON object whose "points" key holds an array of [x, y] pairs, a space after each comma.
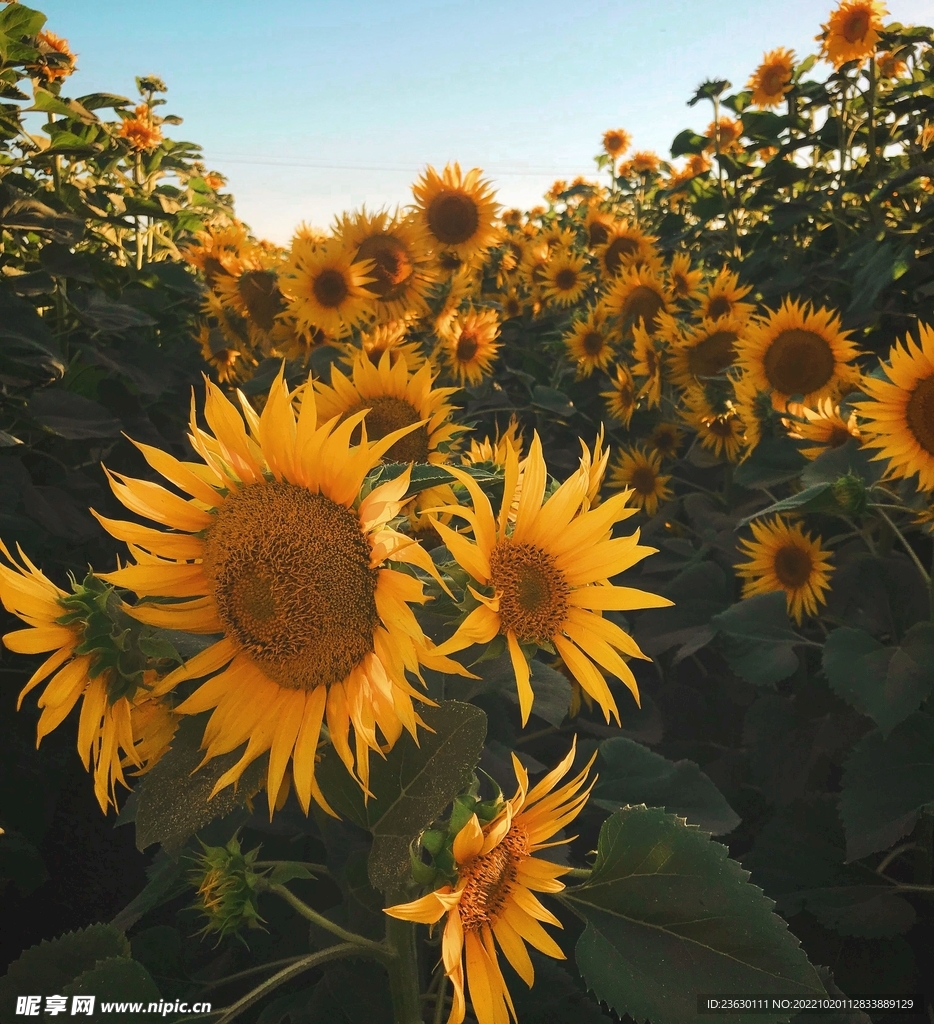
{"points": [[402, 264], [899, 420], [545, 580], [472, 346], [590, 342], [797, 350], [395, 399], [637, 297], [784, 557], [278, 550], [616, 141], [706, 350], [458, 211], [852, 31], [325, 288], [772, 78], [638, 473], [136, 724], [492, 896]]}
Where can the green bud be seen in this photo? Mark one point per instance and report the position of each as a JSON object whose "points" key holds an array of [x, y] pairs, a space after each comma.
{"points": [[227, 889], [850, 494]]}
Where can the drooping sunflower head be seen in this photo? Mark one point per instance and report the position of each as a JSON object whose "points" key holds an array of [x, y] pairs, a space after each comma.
{"points": [[472, 346], [636, 299], [590, 342], [396, 398], [719, 427], [566, 278], [798, 350], [56, 59], [637, 470], [457, 211], [624, 246], [824, 427], [852, 31], [621, 400], [899, 418], [616, 141], [399, 250], [783, 557], [772, 78], [325, 288], [707, 350]]}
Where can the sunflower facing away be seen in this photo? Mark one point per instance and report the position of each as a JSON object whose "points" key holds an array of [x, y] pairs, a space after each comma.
{"points": [[56, 60], [824, 427], [590, 342], [772, 78], [472, 346], [852, 31], [492, 896], [647, 365], [325, 288], [638, 473], [545, 580], [798, 350], [278, 550], [899, 420], [685, 284], [457, 211], [784, 557], [621, 400]]}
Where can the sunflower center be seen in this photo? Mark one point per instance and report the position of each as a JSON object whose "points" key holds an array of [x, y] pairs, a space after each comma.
{"points": [[292, 582], [533, 591], [712, 355], [386, 415], [490, 880], [393, 265], [719, 306], [793, 566], [597, 233], [617, 251], [720, 426], [680, 285], [565, 279], [453, 217], [330, 288], [856, 26], [213, 269], [261, 296], [773, 81], [839, 435], [920, 414], [643, 304], [798, 362], [467, 345], [593, 343], [643, 480]]}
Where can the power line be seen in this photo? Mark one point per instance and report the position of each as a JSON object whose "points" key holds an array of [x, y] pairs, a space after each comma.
{"points": [[406, 170]]}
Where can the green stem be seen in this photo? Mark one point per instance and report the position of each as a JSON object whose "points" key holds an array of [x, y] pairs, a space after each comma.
{"points": [[441, 999], [910, 551], [579, 874], [248, 973], [316, 869], [871, 117], [403, 971]]}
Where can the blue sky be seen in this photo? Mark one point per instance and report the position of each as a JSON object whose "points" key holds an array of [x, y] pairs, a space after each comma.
{"points": [[312, 107]]}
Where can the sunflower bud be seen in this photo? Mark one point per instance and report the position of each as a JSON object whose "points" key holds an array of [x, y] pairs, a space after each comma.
{"points": [[850, 493], [228, 889]]}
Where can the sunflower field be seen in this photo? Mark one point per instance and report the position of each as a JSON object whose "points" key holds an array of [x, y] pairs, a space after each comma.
{"points": [[472, 614]]}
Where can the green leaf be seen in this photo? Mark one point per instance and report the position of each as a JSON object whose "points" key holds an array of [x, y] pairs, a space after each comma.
{"points": [[109, 317], [551, 400], [165, 882], [757, 638], [633, 774], [410, 788], [818, 498], [669, 915], [886, 783], [884, 683], [52, 104], [687, 142], [72, 416], [99, 100], [773, 461], [175, 797], [117, 978], [47, 968]]}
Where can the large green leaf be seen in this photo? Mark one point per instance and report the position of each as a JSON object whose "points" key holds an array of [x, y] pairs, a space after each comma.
{"points": [[757, 638], [116, 978], [632, 774], [886, 782], [670, 916], [885, 683], [410, 788]]}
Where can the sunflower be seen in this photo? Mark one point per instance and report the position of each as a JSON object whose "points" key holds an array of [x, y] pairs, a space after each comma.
{"points": [[666, 439], [645, 162], [852, 31], [706, 350], [825, 427], [636, 298], [784, 557], [495, 451], [891, 65], [724, 135], [564, 279], [597, 225], [616, 141], [720, 431], [492, 894], [278, 550], [251, 289], [217, 352], [545, 580], [402, 264], [798, 350], [325, 288], [395, 399], [140, 132], [472, 344], [217, 251], [56, 60], [625, 245], [754, 407], [512, 305], [590, 342], [685, 284], [535, 262], [621, 401], [648, 364], [61, 626], [899, 420], [457, 211], [722, 297], [772, 78], [388, 337], [638, 471]]}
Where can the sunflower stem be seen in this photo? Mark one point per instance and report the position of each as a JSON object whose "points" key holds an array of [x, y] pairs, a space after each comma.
{"points": [[441, 999], [579, 874], [909, 550], [403, 971]]}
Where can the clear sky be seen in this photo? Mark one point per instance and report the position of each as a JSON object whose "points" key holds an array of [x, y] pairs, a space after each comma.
{"points": [[313, 107]]}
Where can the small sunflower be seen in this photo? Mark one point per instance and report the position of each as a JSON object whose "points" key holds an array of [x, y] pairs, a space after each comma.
{"points": [[56, 60], [639, 472], [824, 427], [645, 162], [402, 269], [590, 342], [251, 289], [706, 350], [513, 305], [899, 420], [565, 279], [724, 135], [722, 297], [457, 211], [472, 344], [772, 78], [616, 141], [784, 557], [648, 364], [852, 32], [753, 405], [797, 350], [494, 451], [625, 245], [492, 893], [218, 353], [545, 580], [666, 439], [685, 283], [140, 131], [325, 288], [891, 65], [720, 431], [597, 225], [388, 337], [621, 401], [636, 298], [538, 255], [216, 252], [395, 399]]}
